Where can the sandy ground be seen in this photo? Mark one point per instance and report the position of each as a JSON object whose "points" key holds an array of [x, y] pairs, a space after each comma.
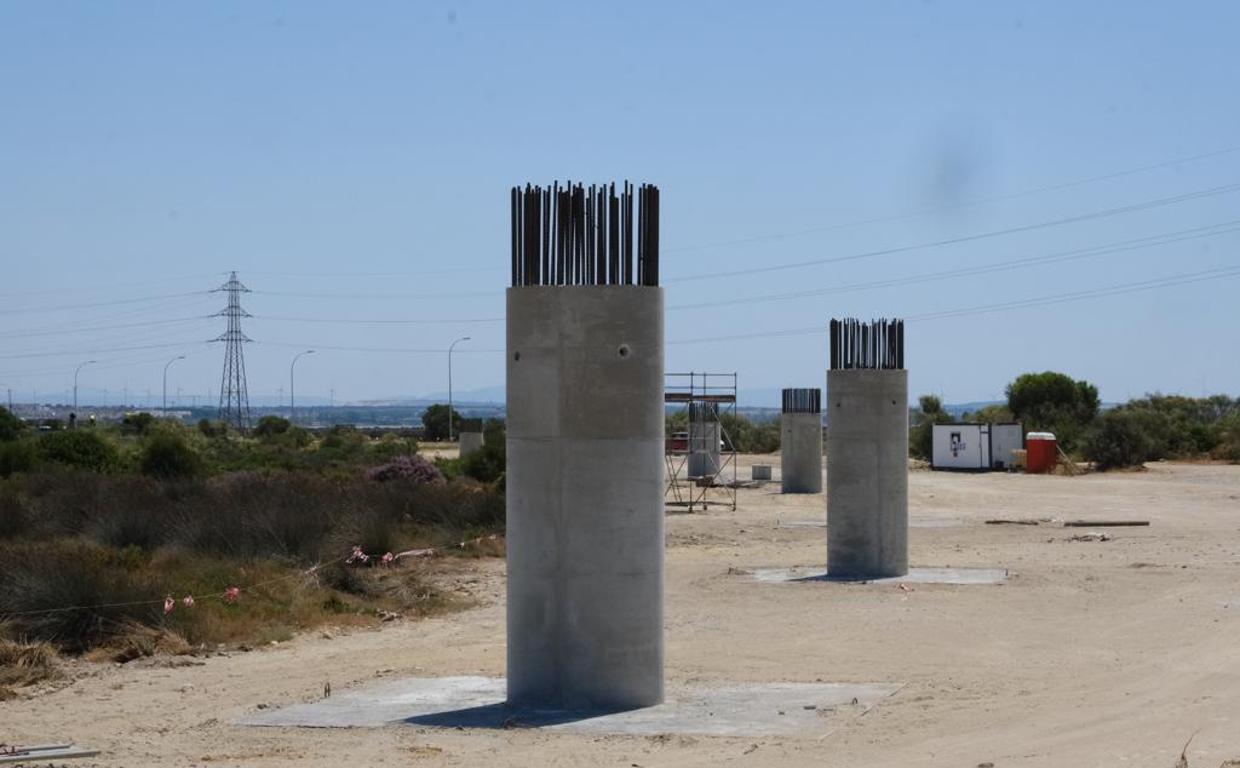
{"points": [[1093, 653]]}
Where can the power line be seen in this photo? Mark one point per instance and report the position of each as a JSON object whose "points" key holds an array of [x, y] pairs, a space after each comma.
{"points": [[382, 321], [78, 288], [96, 350], [100, 303], [1144, 285], [130, 313], [409, 350], [397, 296], [1164, 238], [959, 206], [1217, 273], [1121, 246], [417, 273], [23, 334], [1104, 213]]}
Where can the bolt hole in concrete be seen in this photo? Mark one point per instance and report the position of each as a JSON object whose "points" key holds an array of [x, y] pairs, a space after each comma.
{"points": [[516, 356], [623, 351]]}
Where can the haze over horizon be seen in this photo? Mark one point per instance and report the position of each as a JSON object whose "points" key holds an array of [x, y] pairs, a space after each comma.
{"points": [[1035, 186]]}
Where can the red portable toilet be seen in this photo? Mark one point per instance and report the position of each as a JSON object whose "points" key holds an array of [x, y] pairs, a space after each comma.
{"points": [[1042, 452]]}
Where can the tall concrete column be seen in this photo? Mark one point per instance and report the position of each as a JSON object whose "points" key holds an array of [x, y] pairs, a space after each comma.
{"points": [[867, 453], [585, 495], [800, 441]]}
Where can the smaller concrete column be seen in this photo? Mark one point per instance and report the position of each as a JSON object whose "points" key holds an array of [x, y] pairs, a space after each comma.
{"points": [[867, 451], [470, 442], [704, 454], [800, 441]]}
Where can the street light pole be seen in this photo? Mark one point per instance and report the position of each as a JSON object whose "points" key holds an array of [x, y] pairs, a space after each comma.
{"points": [[164, 409], [450, 347], [75, 381], [291, 401]]}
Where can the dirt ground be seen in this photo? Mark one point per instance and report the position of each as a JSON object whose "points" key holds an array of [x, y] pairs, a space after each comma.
{"points": [[1093, 653]]}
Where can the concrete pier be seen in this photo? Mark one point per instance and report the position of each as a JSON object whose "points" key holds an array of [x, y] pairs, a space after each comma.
{"points": [[867, 473], [585, 496], [704, 446], [470, 442], [800, 441]]}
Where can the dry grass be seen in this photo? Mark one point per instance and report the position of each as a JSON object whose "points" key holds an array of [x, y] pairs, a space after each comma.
{"points": [[23, 664], [277, 600], [135, 641]]}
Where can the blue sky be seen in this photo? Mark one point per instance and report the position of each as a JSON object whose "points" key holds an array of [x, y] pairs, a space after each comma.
{"points": [[352, 162]]}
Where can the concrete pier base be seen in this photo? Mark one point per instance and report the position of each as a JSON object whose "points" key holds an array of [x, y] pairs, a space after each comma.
{"points": [[867, 473], [585, 496], [704, 446], [470, 442], [720, 709], [800, 447]]}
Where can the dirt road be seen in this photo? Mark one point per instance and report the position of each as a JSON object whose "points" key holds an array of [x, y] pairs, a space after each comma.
{"points": [[1093, 653]]}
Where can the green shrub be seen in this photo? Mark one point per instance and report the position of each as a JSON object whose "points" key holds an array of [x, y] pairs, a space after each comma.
{"points": [[921, 435], [208, 428], [276, 430], [1228, 447], [270, 426], [749, 435], [1053, 401], [81, 448], [137, 423], [14, 515], [11, 427], [38, 577], [169, 456], [990, 414], [17, 456], [435, 420], [1122, 438], [488, 463], [343, 437], [392, 445]]}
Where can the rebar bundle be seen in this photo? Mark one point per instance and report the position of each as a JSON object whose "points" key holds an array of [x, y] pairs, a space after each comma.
{"points": [[878, 344], [578, 235], [802, 401], [703, 411]]}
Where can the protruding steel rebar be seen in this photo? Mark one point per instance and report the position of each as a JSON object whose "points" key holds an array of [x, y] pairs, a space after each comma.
{"points": [[578, 235], [802, 401], [877, 344]]}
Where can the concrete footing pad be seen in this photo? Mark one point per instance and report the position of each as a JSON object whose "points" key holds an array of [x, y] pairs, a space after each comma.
{"points": [[914, 576], [725, 709]]}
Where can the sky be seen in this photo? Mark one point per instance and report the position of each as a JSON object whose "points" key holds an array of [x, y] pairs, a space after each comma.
{"points": [[1041, 185]]}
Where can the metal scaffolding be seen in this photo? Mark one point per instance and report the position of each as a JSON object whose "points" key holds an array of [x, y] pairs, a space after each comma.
{"points": [[701, 461]]}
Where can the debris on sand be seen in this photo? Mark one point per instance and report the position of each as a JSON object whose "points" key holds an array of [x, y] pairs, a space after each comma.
{"points": [[1091, 537]]}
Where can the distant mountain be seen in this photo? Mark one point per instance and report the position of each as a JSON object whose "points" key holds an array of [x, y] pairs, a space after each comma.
{"points": [[759, 398], [493, 394]]}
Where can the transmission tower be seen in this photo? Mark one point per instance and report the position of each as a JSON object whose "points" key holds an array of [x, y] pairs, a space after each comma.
{"points": [[234, 395]]}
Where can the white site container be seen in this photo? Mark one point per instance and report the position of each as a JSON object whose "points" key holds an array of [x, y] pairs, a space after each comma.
{"points": [[974, 446]]}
